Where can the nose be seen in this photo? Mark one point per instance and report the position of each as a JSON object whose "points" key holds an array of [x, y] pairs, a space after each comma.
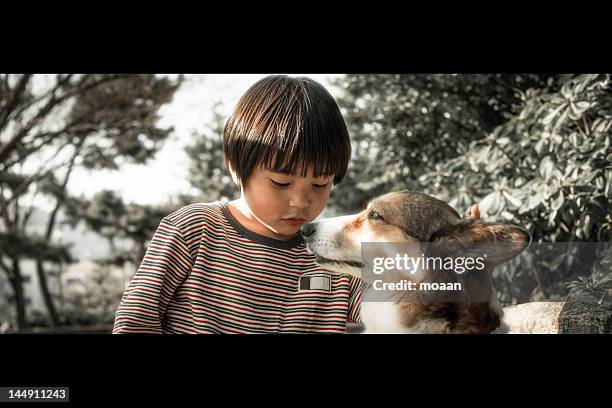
{"points": [[300, 201], [308, 229]]}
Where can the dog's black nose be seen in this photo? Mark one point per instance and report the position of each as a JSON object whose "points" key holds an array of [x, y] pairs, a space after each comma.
{"points": [[308, 230]]}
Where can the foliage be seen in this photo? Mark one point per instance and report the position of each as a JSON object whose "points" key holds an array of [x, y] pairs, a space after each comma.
{"points": [[94, 298], [600, 280], [50, 124], [532, 150], [404, 126], [208, 174]]}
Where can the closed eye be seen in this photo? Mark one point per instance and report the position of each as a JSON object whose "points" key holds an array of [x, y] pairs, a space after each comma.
{"points": [[320, 186], [279, 185]]}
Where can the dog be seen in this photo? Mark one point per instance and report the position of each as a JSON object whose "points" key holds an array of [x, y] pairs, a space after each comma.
{"points": [[432, 229]]}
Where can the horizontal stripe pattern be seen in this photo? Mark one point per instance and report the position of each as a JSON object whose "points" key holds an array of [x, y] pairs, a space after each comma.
{"points": [[200, 274]]}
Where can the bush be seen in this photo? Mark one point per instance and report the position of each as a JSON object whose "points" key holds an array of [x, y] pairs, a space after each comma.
{"points": [[548, 168], [531, 149]]}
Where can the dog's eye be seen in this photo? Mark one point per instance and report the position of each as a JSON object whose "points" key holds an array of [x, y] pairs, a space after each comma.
{"points": [[375, 216]]}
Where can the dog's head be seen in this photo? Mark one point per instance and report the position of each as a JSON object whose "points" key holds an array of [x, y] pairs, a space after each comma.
{"points": [[435, 229], [407, 216]]}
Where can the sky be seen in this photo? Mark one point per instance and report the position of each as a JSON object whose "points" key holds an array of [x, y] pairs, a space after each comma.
{"points": [[190, 110]]}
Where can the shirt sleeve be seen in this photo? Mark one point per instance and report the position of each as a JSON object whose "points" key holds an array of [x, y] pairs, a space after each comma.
{"points": [[165, 266], [356, 288]]}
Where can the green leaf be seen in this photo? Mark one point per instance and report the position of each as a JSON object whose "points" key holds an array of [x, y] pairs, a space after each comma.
{"points": [[492, 204], [558, 202], [552, 114], [546, 167], [511, 199], [561, 119]]}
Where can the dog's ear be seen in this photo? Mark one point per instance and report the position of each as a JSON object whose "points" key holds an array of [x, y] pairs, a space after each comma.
{"points": [[495, 243]]}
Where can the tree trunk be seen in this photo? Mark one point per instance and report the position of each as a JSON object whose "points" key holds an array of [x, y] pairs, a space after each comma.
{"points": [[42, 279], [20, 304], [40, 269]]}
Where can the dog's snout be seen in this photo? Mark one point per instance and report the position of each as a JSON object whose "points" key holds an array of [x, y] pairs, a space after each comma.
{"points": [[308, 230]]}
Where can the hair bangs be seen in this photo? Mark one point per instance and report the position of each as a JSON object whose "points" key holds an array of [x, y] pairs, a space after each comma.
{"points": [[288, 125]]}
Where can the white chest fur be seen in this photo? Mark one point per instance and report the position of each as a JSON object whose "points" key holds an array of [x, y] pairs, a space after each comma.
{"points": [[384, 317]]}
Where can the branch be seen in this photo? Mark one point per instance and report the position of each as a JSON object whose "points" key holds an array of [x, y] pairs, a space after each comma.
{"points": [[8, 147], [15, 99], [49, 136], [34, 101], [60, 200], [6, 269], [4, 214], [28, 213], [26, 183]]}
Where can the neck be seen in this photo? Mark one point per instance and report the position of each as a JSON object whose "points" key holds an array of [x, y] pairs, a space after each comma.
{"points": [[242, 212]]}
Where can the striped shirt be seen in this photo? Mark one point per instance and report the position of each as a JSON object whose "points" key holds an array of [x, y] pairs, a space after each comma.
{"points": [[203, 272]]}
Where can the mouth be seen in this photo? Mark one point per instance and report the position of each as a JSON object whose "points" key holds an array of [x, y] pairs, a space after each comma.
{"points": [[294, 221]]}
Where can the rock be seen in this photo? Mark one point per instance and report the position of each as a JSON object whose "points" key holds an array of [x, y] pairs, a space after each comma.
{"points": [[531, 318], [580, 312]]}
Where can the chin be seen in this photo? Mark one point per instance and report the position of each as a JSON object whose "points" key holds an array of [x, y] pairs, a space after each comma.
{"points": [[286, 232]]}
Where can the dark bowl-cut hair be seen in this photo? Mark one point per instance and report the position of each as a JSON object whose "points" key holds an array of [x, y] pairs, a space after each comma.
{"points": [[288, 125]]}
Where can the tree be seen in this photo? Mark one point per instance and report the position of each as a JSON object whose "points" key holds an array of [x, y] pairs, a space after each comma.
{"points": [[109, 216], [48, 125], [548, 168], [95, 298], [403, 126], [532, 149], [208, 174]]}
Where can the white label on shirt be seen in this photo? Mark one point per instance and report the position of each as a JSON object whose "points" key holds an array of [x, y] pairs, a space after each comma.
{"points": [[320, 282]]}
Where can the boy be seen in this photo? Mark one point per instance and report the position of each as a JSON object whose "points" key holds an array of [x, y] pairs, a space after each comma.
{"points": [[242, 266]]}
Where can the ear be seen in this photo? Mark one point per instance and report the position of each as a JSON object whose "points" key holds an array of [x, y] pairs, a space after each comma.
{"points": [[496, 243]]}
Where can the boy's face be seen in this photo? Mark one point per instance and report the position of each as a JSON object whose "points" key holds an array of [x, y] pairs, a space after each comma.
{"points": [[283, 203]]}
